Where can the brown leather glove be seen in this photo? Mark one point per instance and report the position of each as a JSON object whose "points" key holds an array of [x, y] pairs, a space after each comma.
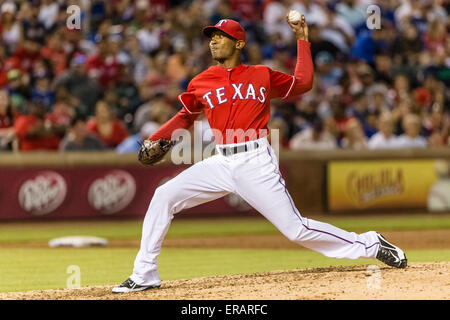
{"points": [[152, 152]]}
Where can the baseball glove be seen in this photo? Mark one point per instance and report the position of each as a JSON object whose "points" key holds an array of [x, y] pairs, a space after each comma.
{"points": [[152, 152]]}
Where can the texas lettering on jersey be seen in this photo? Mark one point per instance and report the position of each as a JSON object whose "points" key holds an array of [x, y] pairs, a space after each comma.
{"points": [[236, 101], [249, 94]]}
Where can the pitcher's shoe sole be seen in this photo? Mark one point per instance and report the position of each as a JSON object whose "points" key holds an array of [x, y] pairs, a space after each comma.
{"points": [[391, 255]]}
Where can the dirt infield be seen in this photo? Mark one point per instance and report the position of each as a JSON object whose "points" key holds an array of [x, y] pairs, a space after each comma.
{"points": [[418, 281]]}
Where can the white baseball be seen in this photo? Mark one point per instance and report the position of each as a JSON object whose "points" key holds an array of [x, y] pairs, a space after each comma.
{"points": [[294, 16]]}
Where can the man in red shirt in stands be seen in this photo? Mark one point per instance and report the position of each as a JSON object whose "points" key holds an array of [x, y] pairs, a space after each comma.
{"points": [[236, 100], [35, 132], [103, 66]]}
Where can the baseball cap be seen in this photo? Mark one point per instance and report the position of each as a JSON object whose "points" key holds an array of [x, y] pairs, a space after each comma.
{"points": [[230, 27], [8, 7]]}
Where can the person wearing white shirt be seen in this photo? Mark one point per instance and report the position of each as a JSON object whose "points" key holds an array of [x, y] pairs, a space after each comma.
{"points": [[48, 13], [352, 11], [275, 19], [411, 138], [384, 138], [314, 13], [313, 138], [148, 37]]}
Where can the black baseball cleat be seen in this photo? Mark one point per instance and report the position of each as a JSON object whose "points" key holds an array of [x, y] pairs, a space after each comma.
{"points": [[130, 286], [390, 254]]}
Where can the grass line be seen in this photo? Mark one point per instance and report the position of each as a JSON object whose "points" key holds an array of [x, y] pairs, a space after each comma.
{"points": [[131, 229]]}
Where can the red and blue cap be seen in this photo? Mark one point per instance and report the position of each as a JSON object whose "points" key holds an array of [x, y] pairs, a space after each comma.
{"points": [[228, 26]]}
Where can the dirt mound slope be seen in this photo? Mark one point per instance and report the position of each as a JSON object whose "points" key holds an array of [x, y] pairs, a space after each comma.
{"points": [[418, 281]]}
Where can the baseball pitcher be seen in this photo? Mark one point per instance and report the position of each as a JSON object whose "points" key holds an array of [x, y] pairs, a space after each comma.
{"points": [[236, 100]]}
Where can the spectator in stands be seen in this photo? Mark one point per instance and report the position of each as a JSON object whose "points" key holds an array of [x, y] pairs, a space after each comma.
{"points": [[305, 114], [103, 66], [354, 137], [136, 60], [278, 129], [408, 44], [353, 12], [42, 91], [337, 29], [318, 44], [436, 36], [315, 137], [35, 132], [19, 90], [157, 109], [327, 70], [367, 78], [10, 27], [359, 106], [48, 13], [62, 113], [401, 87], [133, 143], [28, 52], [313, 10], [436, 127], [127, 95], [79, 84], [275, 19], [148, 37], [384, 138], [110, 130], [7, 117], [340, 120], [378, 100], [78, 138], [411, 138], [367, 44], [33, 29], [384, 68], [54, 52], [369, 125]]}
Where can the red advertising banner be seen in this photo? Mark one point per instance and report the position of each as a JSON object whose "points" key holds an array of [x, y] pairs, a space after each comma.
{"points": [[84, 192]]}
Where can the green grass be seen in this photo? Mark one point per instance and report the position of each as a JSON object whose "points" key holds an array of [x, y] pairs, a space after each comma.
{"points": [[25, 268], [131, 229], [36, 269]]}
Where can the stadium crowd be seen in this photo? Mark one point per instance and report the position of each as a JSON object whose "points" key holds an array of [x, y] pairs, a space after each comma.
{"points": [[116, 79]]}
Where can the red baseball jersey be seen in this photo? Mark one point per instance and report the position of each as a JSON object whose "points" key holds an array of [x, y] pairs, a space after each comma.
{"points": [[236, 100]]}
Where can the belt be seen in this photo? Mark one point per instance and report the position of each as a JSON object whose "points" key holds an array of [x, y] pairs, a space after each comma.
{"points": [[228, 151]]}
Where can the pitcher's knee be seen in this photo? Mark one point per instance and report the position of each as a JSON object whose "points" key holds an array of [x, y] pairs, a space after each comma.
{"points": [[163, 194], [169, 193]]}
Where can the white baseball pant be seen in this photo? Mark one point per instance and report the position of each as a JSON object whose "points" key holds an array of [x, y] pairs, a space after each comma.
{"points": [[254, 175]]}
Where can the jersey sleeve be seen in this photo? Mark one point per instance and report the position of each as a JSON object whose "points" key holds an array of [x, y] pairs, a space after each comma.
{"points": [[283, 85], [190, 102], [182, 120], [280, 84]]}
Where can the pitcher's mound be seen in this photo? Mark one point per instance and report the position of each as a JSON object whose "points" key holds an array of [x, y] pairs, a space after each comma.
{"points": [[417, 281]]}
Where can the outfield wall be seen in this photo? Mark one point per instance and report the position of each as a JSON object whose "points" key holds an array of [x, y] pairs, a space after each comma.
{"points": [[343, 181], [93, 185]]}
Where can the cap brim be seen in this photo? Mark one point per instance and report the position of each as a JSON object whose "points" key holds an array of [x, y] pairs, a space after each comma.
{"points": [[207, 31]]}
